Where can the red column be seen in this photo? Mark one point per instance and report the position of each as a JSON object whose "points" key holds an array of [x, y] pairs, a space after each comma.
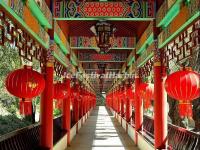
{"points": [[138, 107], [46, 109], [118, 105], [84, 106], [76, 109], [66, 111], [160, 103], [122, 107], [128, 110], [76, 102], [81, 107]]}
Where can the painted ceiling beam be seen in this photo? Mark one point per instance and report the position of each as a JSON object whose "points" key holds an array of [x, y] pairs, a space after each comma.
{"points": [[41, 12], [108, 19], [22, 22], [187, 15], [88, 61], [98, 69], [95, 10], [97, 49], [167, 12], [85, 42]]}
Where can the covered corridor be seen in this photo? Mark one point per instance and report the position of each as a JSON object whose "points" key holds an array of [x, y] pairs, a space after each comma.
{"points": [[102, 132], [100, 74]]}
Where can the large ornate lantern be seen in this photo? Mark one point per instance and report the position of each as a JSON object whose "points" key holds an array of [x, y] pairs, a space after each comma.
{"points": [[183, 86], [104, 33], [25, 83]]}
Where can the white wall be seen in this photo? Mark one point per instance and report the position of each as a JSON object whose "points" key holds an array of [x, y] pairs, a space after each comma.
{"points": [[124, 123], [61, 144], [143, 144]]}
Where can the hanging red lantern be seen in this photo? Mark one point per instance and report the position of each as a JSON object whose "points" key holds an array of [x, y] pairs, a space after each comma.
{"points": [[59, 104], [183, 86], [60, 91], [130, 94], [25, 107], [185, 109], [146, 91], [25, 83], [142, 88]]}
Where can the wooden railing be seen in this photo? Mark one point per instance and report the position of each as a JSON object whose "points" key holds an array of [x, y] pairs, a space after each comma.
{"points": [[23, 139], [28, 138], [178, 137]]}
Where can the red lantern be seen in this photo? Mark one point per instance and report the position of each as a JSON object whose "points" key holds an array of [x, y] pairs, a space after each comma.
{"points": [[130, 94], [60, 91], [185, 109], [146, 91], [59, 104], [25, 83], [25, 107], [183, 86], [142, 89]]}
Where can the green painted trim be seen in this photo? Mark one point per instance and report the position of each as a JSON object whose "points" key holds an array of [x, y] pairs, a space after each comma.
{"points": [[60, 43], [59, 59], [179, 30], [92, 48], [171, 14], [103, 61], [107, 18], [131, 61], [37, 12], [96, 48], [23, 24], [73, 62], [147, 42], [145, 60]]}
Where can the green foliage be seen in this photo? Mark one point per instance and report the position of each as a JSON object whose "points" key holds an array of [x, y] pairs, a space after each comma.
{"points": [[57, 112], [9, 105], [10, 123]]}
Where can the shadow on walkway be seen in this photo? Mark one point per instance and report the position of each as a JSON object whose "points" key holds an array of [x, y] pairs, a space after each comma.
{"points": [[102, 132]]}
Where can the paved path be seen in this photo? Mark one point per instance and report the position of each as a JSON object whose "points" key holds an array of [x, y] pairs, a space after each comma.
{"points": [[102, 132]]}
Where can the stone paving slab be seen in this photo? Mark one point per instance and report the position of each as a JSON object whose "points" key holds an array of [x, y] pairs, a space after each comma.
{"points": [[102, 132]]}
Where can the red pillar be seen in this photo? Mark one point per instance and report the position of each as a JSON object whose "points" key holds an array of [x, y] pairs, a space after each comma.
{"points": [[46, 109], [128, 110], [118, 105], [81, 107], [160, 102], [76, 109], [138, 107], [76, 102], [122, 107], [66, 111], [84, 106]]}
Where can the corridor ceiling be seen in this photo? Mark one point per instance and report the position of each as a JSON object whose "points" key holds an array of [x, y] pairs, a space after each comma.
{"points": [[124, 28]]}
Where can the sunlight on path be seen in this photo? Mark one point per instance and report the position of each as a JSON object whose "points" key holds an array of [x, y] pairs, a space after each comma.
{"points": [[102, 132]]}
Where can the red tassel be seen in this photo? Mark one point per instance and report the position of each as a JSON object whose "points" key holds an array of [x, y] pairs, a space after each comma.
{"points": [[25, 107]]}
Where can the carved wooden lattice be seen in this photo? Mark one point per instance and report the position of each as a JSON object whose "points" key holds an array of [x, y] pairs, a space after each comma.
{"points": [[183, 46], [18, 38], [146, 69], [59, 69]]}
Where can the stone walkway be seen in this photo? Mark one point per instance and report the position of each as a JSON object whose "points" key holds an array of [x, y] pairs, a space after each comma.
{"points": [[102, 132]]}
